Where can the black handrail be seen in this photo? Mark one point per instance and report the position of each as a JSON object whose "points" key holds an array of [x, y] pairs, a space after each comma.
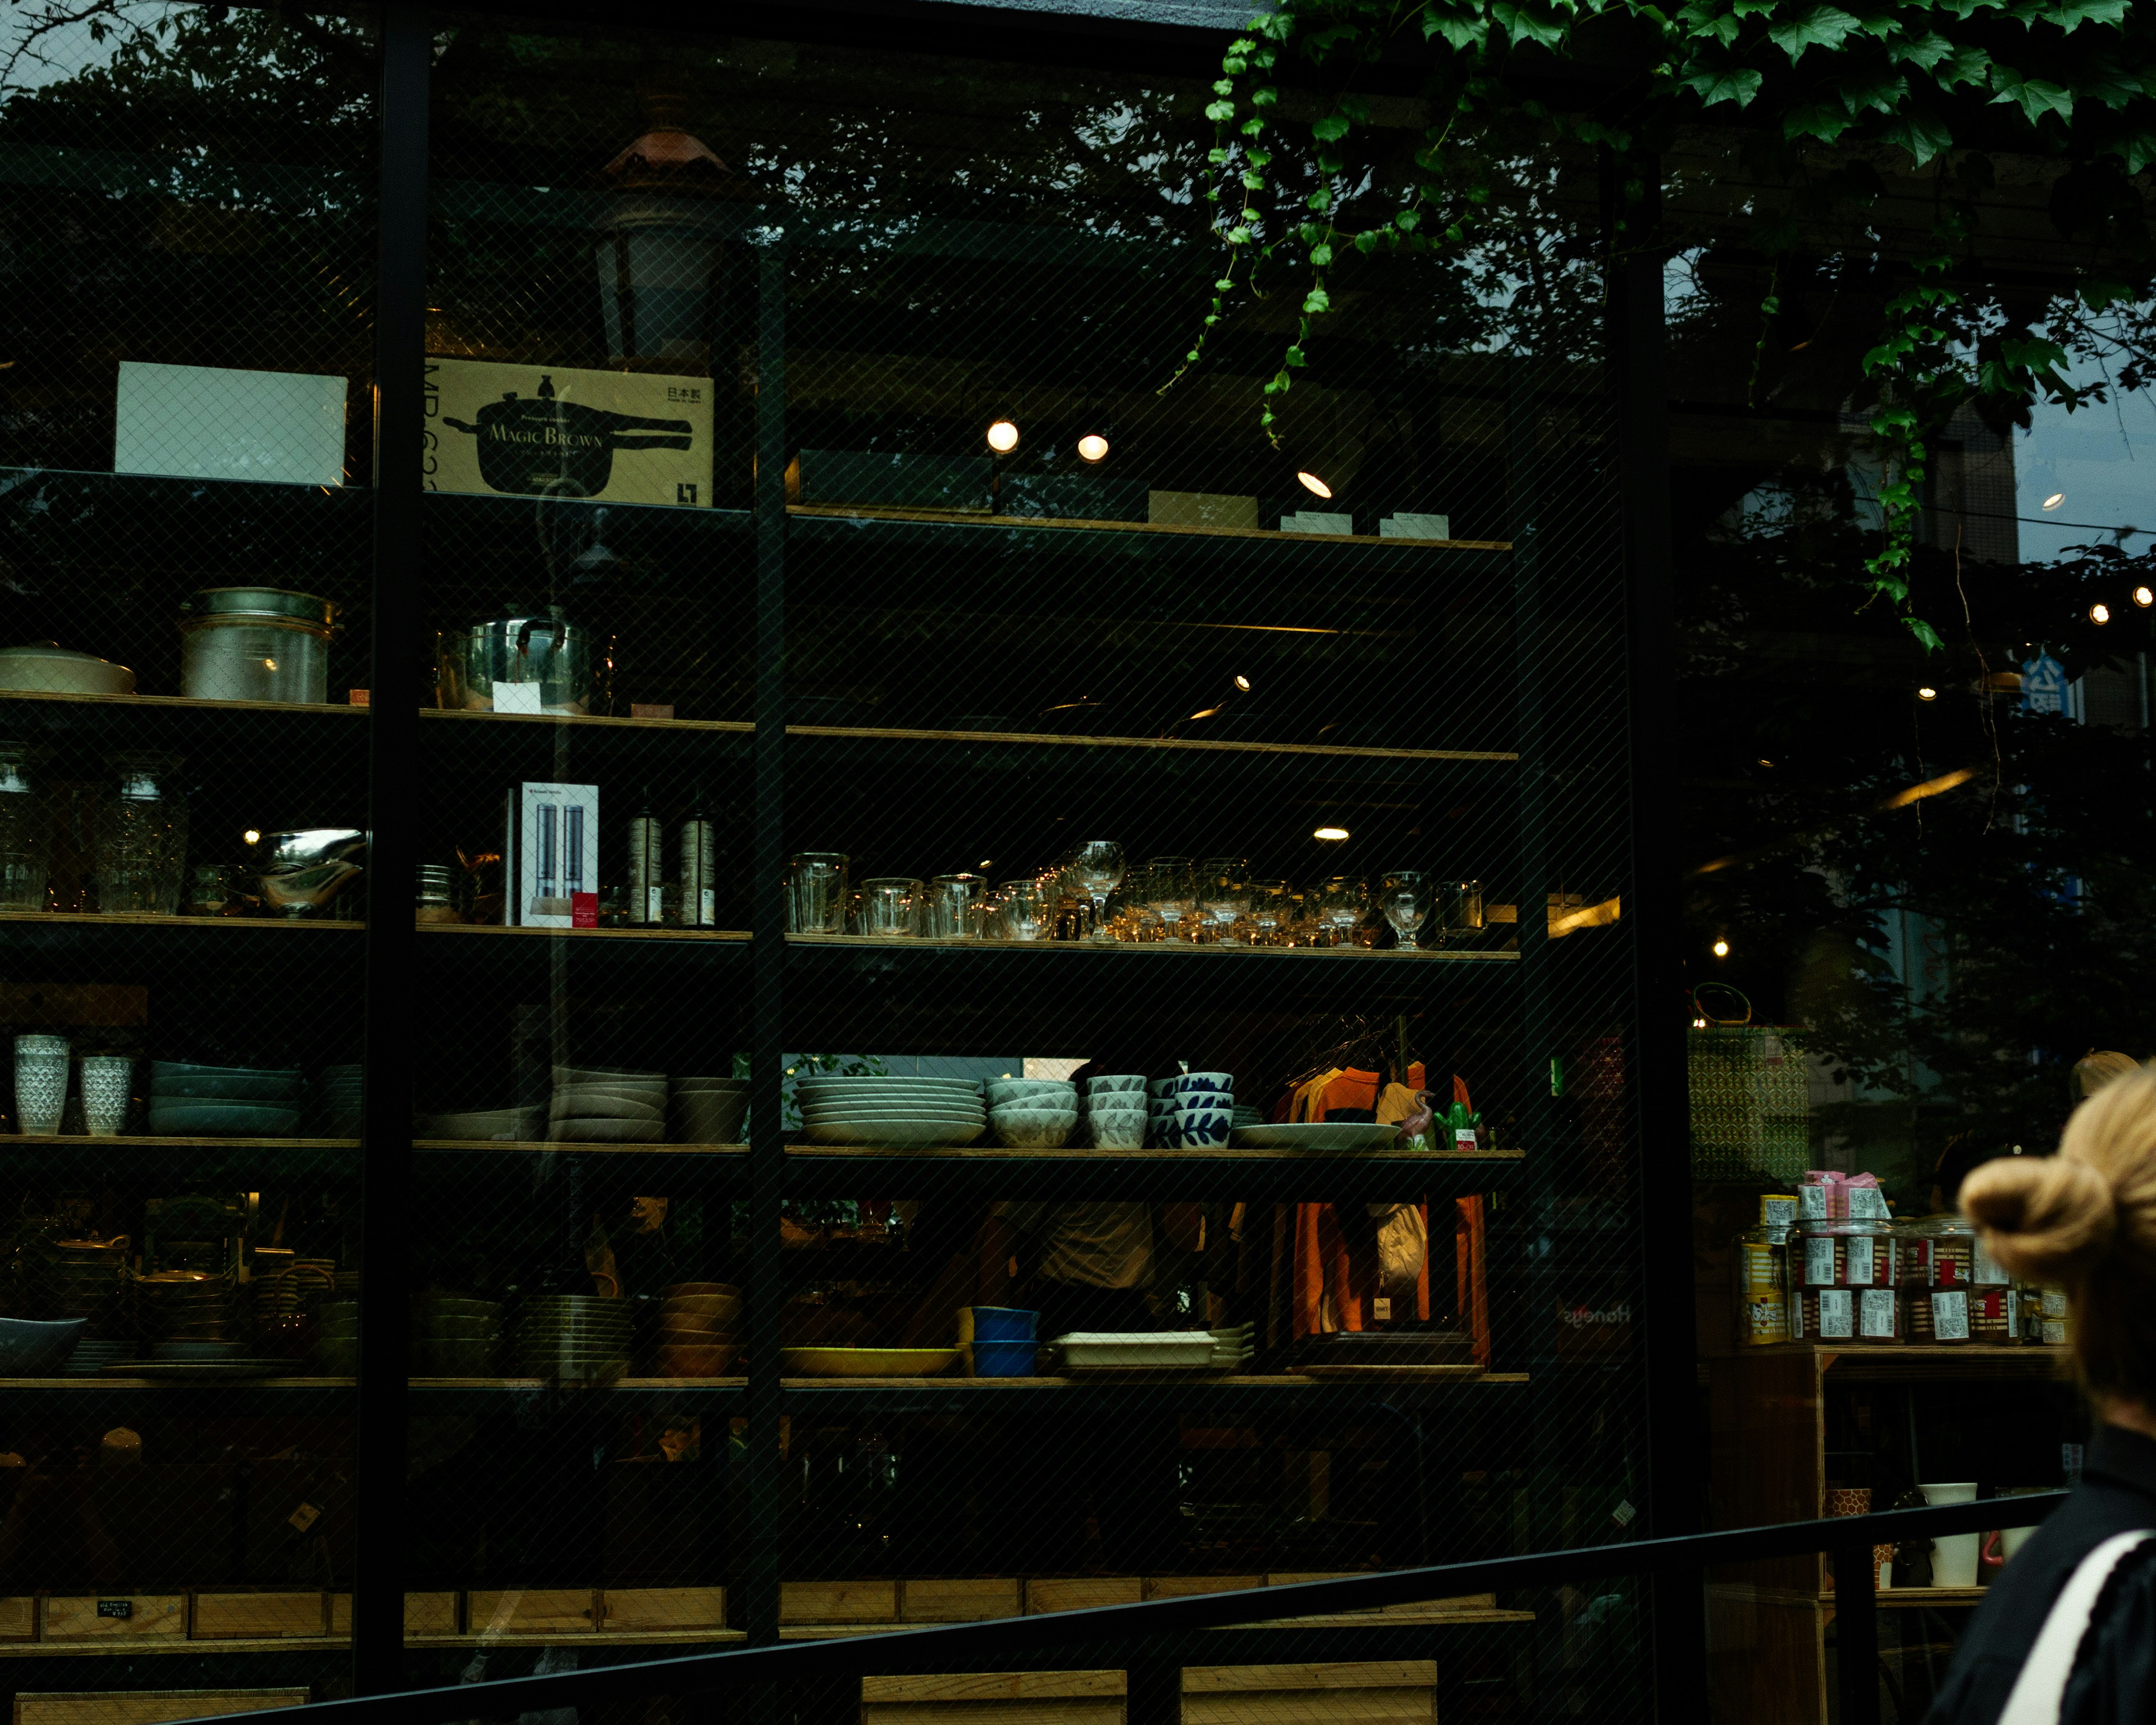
{"points": [[962, 1647]]}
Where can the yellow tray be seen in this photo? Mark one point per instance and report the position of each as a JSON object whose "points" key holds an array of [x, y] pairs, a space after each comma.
{"points": [[868, 1362]]}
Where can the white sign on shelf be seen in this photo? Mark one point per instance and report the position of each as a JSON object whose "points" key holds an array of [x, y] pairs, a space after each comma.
{"points": [[212, 422]]}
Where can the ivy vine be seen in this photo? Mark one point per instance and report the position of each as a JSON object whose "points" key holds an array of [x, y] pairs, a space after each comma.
{"points": [[1819, 91]]}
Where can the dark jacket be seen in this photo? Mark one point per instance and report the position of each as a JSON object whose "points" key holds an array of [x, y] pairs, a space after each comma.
{"points": [[2114, 1678]]}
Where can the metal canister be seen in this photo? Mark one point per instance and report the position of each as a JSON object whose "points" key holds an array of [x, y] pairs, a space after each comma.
{"points": [[256, 644], [1761, 1263], [541, 663]]}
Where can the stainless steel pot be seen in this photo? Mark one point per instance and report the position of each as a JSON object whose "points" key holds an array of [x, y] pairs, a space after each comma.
{"points": [[542, 663], [256, 644], [301, 872]]}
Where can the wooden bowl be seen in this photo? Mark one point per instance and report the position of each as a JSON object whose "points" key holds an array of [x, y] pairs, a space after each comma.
{"points": [[701, 1308], [701, 1287], [694, 1332], [674, 1360]]}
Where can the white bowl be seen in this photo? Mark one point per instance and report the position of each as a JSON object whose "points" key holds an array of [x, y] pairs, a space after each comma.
{"points": [[1118, 1132], [49, 669], [1043, 1093], [1034, 1128], [1116, 1084]]}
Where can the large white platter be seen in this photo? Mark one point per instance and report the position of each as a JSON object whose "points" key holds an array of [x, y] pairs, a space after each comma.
{"points": [[1334, 1135]]}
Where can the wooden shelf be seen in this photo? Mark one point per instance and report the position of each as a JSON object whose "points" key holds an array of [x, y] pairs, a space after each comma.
{"points": [[150, 1141], [501, 930], [1031, 524], [186, 703], [1152, 950], [597, 721], [1184, 745], [1903, 1362], [1153, 1161], [150, 919]]}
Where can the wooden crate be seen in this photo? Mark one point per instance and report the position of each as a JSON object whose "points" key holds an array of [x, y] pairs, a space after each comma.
{"points": [[18, 1619], [1382, 1692], [1181, 1586], [965, 1600], [231, 1617], [995, 1698], [95, 1617], [424, 1614], [644, 1610], [147, 1706], [1082, 1592], [837, 1602], [533, 1611]]}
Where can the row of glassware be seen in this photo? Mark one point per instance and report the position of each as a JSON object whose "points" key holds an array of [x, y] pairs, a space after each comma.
{"points": [[1091, 894]]}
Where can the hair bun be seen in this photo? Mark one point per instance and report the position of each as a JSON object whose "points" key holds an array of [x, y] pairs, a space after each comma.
{"points": [[2050, 1218]]}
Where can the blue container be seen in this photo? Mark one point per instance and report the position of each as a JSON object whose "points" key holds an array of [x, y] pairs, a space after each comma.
{"points": [[1004, 1323], [1004, 1359]]}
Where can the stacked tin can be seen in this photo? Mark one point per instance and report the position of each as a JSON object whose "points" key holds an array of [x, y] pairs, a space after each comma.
{"points": [[1762, 1265]]}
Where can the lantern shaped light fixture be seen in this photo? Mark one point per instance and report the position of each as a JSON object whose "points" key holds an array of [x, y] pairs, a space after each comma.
{"points": [[673, 205]]}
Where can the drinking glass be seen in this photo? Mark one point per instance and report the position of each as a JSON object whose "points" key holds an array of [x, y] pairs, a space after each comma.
{"points": [[1404, 896], [1340, 903], [1026, 909], [949, 910], [816, 893], [26, 832], [1272, 910], [41, 1082], [107, 1088], [1170, 891], [1464, 914], [1223, 893], [1097, 867], [890, 908], [142, 836]]}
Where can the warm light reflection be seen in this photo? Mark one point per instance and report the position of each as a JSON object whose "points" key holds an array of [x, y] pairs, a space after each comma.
{"points": [[1927, 693], [2055, 500], [1311, 483], [1330, 834], [1002, 437], [2099, 612], [1721, 949], [1242, 683], [2143, 597], [251, 836], [1092, 447]]}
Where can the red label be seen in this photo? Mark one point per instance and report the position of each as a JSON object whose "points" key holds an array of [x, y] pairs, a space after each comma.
{"points": [[651, 710], [583, 910], [358, 697]]}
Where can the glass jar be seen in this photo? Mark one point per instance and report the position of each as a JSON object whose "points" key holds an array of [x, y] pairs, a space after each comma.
{"points": [[26, 832], [142, 836], [1761, 1263], [1960, 1293], [1844, 1283]]}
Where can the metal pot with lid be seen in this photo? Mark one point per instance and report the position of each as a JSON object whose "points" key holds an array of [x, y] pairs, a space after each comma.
{"points": [[48, 667], [256, 644], [539, 662]]}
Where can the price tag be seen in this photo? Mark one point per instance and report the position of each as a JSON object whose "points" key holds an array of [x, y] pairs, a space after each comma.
{"points": [[515, 697], [1876, 1317], [122, 1609], [1859, 1260], [305, 1516], [1950, 1316], [1818, 1262], [1836, 1308]]}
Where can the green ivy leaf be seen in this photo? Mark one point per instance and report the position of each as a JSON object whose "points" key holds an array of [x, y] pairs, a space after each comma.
{"points": [[1369, 241], [1701, 19], [1924, 136], [1526, 24], [1321, 199], [1923, 51], [1315, 302], [2072, 14], [1824, 121], [1218, 112], [1224, 86], [2036, 96], [1967, 65], [2102, 78], [2033, 351], [1253, 181], [1882, 90], [1926, 636], [1463, 31], [1827, 27], [2137, 148], [1321, 255], [1330, 129], [1736, 84]]}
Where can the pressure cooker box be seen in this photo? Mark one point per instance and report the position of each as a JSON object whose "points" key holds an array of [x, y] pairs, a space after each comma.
{"points": [[554, 431]]}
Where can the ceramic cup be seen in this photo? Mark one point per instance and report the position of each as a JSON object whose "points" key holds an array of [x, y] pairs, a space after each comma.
{"points": [[1120, 1129], [1115, 1084], [1195, 1084], [1954, 1556], [41, 1083], [1203, 1128], [107, 1088]]}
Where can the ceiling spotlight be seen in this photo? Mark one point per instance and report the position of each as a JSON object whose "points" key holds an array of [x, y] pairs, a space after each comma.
{"points": [[1243, 682], [1311, 483], [1927, 693], [986, 862], [2143, 597], [1092, 447], [1721, 950], [2099, 612], [251, 836], [1002, 437], [1333, 834], [2055, 500]]}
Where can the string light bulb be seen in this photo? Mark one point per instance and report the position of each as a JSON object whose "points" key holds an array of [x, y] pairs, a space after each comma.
{"points": [[1092, 447], [1002, 437], [1316, 486]]}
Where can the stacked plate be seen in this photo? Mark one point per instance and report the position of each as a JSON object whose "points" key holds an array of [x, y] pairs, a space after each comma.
{"points": [[195, 1101], [698, 1330], [575, 1337], [709, 1110], [337, 1103], [512, 1125], [600, 1105], [898, 1113], [453, 1336], [91, 1358], [293, 1289], [193, 1353], [336, 1352], [1231, 1348]]}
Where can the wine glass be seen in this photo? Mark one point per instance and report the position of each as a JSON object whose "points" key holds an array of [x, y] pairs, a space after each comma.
{"points": [[1272, 908], [1405, 896], [1097, 866], [1340, 903], [1224, 892], [1170, 891]]}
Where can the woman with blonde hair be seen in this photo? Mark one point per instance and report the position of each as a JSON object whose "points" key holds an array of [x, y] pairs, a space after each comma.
{"points": [[2066, 1634]]}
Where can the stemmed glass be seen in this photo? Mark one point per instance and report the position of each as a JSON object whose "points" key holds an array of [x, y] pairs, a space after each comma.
{"points": [[1097, 867], [1405, 896], [1170, 891], [1340, 903], [1223, 893]]}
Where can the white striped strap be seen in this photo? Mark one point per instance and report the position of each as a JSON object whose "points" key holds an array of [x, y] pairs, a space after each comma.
{"points": [[2040, 1690]]}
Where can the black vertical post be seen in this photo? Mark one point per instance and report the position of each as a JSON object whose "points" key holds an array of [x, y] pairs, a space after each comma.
{"points": [[1153, 1692], [1856, 1634], [1636, 334], [400, 312], [760, 1577]]}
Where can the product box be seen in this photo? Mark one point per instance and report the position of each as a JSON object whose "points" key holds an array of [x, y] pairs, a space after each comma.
{"points": [[550, 856], [554, 431], [214, 422]]}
